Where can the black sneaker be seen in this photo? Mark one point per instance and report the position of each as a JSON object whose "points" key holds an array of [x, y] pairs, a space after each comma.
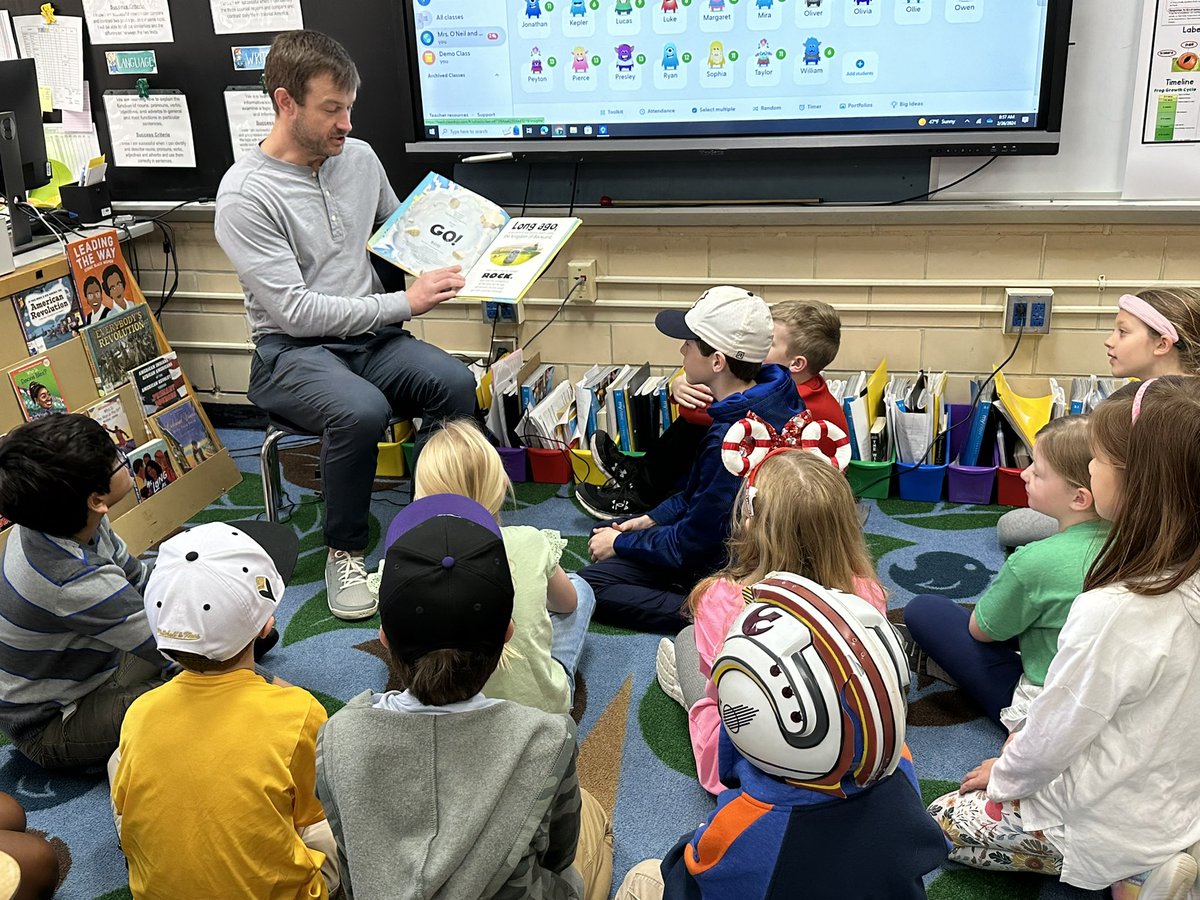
{"points": [[919, 661], [612, 463], [609, 501]]}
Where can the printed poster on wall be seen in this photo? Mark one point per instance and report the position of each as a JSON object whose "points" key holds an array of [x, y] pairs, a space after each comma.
{"points": [[251, 116], [1163, 161], [152, 132], [128, 21], [244, 16]]}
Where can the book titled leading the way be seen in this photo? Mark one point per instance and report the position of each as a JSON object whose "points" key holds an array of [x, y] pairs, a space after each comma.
{"points": [[443, 224]]}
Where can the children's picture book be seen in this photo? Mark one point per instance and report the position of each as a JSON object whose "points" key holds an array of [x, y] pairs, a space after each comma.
{"points": [[153, 468], [159, 383], [37, 389], [110, 413], [444, 224], [49, 314], [185, 433], [119, 343], [102, 278]]}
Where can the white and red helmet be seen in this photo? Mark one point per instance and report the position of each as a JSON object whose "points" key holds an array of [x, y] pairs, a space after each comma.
{"points": [[812, 685]]}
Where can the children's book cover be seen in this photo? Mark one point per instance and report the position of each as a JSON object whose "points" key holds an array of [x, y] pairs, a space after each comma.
{"points": [[37, 389], [153, 468], [110, 413], [439, 224], [159, 383], [49, 314], [102, 279], [119, 343], [443, 224], [184, 431]]}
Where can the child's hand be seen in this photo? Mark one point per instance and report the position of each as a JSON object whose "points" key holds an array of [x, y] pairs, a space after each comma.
{"points": [[641, 523], [978, 778], [690, 396], [600, 545]]}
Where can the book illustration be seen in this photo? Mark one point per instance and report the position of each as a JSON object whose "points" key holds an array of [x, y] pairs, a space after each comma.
{"points": [[102, 279], [439, 224], [4, 523], [185, 433], [119, 343], [37, 389], [159, 382], [110, 413], [516, 258], [444, 224], [153, 468], [49, 314]]}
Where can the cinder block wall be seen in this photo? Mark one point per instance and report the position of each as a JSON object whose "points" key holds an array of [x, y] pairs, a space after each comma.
{"points": [[922, 295]]}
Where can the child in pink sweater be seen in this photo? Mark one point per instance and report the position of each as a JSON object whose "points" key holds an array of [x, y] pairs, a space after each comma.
{"points": [[796, 514]]}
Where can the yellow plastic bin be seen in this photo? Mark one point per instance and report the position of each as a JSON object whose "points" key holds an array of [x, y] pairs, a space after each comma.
{"points": [[584, 470], [391, 462]]}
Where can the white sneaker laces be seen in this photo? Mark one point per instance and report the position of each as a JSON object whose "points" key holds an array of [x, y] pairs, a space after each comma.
{"points": [[350, 569]]}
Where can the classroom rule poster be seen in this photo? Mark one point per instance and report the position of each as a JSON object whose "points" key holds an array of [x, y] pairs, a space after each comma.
{"points": [[1163, 161]]}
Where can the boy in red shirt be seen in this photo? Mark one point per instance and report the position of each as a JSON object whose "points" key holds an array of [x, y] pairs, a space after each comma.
{"points": [[807, 336]]}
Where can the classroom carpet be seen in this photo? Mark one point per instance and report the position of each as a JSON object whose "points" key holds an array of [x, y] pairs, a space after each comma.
{"points": [[634, 754]]}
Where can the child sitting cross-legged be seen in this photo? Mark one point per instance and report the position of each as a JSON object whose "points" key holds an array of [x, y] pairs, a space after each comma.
{"points": [[1100, 787], [812, 743], [1025, 607], [551, 610], [213, 784], [439, 790], [795, 512], [75, 648]]}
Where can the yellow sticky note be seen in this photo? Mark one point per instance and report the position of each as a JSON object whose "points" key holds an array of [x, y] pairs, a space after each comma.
{"points": [[46, 96]]}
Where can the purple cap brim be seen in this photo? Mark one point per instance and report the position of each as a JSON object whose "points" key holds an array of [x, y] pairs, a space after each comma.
{"points": [[671, 322], [420, 511]]}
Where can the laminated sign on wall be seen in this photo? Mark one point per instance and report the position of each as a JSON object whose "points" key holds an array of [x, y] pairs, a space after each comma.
{"points": [[151, 132]]}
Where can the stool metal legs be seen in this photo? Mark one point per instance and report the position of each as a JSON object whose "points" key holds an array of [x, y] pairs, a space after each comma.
{"points": [[268, 459]]}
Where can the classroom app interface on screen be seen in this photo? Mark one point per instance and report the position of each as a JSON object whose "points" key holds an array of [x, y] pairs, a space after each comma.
{"points": [[610, 68]]}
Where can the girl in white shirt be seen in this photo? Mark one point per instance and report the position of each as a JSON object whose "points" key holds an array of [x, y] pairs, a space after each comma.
{"points": [[1101, 787]]}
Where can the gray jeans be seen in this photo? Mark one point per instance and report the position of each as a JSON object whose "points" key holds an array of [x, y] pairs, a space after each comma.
{"points": [[90, 734], [346, 390]]}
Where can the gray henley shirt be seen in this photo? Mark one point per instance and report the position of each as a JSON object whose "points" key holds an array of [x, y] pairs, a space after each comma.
{"points": [[298, 237]]}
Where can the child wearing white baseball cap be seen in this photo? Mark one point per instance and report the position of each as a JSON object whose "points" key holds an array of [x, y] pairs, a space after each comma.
{"points": [[643, 567], [213, 784]]}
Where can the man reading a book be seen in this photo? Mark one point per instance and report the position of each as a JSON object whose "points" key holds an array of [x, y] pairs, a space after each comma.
{"points": [[332, 356]]}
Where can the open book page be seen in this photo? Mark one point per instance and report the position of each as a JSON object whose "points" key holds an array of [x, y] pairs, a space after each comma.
{"points": [[516, 258], [439, 224]]}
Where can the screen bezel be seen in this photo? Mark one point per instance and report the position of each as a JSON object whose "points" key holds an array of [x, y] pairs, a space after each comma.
{"points": [[1043, 138]]}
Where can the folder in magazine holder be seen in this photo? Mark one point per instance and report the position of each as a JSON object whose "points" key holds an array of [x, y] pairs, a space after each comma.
{"points": [[144, 524]]}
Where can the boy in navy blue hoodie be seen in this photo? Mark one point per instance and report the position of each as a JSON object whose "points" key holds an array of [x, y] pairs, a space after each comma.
{"points": [[645, 566]]}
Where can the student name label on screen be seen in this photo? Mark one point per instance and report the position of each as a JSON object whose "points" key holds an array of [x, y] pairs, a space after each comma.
{"points": [[513, 68]]}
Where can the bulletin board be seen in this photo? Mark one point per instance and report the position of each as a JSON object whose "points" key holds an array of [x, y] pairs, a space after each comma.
{"points": [[199, 63]]}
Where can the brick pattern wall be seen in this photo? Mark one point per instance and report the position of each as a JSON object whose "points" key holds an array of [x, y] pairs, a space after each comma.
{"points": [[921, 295]]}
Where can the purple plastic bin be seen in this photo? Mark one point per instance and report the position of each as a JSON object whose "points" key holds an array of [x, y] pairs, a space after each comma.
{"points": [[970, 484], [514, 461]]}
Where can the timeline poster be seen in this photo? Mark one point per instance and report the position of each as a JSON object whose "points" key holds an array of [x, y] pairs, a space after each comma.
{"points": [[128, 21], [152, 132], [243, 16], [1163, 161]]}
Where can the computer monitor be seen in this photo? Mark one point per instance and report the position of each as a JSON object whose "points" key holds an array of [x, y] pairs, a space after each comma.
{"points": [[19, 95]]}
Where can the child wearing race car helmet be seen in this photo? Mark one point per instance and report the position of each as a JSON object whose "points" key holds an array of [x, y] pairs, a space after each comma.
{"points": [[823, 799]]}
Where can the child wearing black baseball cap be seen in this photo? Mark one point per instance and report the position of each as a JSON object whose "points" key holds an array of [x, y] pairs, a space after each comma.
{"points": [[212, 784], [438, 787]]}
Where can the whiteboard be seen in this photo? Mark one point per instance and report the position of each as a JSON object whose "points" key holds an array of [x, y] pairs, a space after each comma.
{"points": [[1095, 132]]}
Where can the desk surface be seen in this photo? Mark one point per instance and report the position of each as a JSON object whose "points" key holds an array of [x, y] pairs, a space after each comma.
{"points": [[51, 251]]}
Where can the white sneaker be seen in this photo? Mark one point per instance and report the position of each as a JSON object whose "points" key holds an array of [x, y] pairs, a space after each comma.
{"points": [[668, 674], [1173, 880], [346, 587]]}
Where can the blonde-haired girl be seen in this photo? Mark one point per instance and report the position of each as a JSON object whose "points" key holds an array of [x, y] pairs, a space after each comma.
{"points": [[1101, 786], [796, 513], [1156, 332], [551, 610]]}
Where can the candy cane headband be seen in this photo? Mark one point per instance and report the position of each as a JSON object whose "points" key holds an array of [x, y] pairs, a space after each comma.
{"points": [[1148, 315]]}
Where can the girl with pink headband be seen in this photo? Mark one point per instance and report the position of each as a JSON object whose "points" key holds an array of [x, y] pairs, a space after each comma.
{"points": [[1157, 332]]}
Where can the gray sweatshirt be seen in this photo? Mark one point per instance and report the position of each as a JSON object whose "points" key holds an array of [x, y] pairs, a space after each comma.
{"points": [[298, 240], [478, 804]]}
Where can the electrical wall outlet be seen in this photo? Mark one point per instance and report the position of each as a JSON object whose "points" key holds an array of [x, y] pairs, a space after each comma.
{"points": [[586, 269], [503, 313], [1027, 310]]}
